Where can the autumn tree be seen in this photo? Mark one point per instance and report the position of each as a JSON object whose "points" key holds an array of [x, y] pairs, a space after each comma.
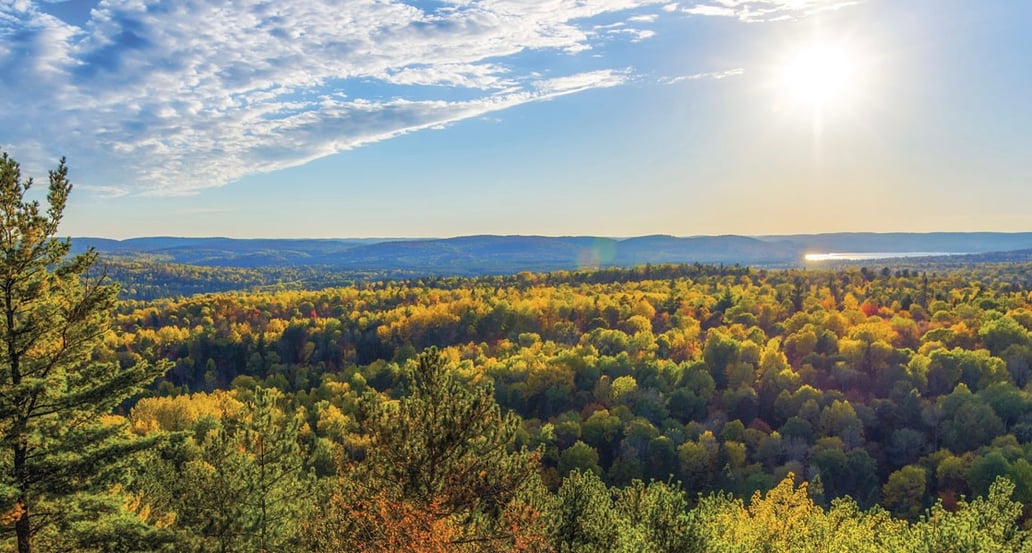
{"points": [[786, 520], [990, 523], [59, 451]]}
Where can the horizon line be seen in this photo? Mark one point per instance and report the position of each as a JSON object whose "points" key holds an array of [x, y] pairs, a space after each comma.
{"points": [[601, 236]]}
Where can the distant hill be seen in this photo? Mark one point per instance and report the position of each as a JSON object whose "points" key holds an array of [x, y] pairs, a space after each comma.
{"points": [[224, 252], [728, 249], [487, 254], [942, 242], [476, 254], [946, 261], [1014, 256]]}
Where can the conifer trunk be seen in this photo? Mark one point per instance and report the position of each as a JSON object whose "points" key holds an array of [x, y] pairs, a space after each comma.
{"points": [[23, 529], [22, 526]]}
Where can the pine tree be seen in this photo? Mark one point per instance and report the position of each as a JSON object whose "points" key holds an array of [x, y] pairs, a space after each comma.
{"points": [[281, 481], [244, 485], [60, 455], [438, 464], [584, 518]]}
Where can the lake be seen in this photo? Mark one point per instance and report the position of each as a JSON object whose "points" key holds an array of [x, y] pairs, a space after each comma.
{"points": [[860, 256]]}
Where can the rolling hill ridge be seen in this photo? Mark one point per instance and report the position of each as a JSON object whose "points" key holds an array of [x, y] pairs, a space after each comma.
{"points": [[489, 254]]}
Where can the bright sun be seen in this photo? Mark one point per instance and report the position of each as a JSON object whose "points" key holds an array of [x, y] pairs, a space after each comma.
{"points": [[819, 75]]}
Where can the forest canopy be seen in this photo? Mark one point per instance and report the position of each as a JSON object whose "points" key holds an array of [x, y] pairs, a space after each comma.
{"points": [[893, 399], [660, 408]]}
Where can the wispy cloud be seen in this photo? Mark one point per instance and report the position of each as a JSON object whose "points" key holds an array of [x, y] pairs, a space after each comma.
{"points": [[104, 192], [205, 210], [582, 81], [716, 75], [762, 10], [702, 9], [173, 98]]}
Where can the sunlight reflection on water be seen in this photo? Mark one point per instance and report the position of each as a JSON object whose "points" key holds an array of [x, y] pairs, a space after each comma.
{"points": [[860, 256]]}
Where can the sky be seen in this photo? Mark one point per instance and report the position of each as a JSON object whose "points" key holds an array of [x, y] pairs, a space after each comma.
{"points": [[384, 118]]}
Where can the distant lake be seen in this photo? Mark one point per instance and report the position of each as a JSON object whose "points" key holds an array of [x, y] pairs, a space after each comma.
{"points": [[860, 256]]}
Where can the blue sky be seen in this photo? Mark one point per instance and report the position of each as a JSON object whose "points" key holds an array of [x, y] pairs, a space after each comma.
{"points": [[554, 117]]}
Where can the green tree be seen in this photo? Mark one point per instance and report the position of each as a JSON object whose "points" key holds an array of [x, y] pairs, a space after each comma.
{"points": [[985, 470], [657, 513], [720, 354], [988, 523], [243, 487], [59, 452], [969, 423], [999, 334], [205, 490], [441, 454], [839, 419], [281, 482], [585, 519], [580, 456], [905, 491]]}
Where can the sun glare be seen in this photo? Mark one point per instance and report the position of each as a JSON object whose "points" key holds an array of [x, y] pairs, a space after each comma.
{"points": [[818, 75]]}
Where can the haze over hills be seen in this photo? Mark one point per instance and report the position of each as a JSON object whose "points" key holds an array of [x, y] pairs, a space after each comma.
{"points": [[942, 242], [497, 254]]}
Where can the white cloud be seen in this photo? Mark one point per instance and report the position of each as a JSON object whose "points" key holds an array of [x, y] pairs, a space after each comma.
{"points": [[752, 11], [710, 10], [582, 81], [175, 97], [480, 76], [640, 35], [105, 192], [715, 75], [635, 35]]}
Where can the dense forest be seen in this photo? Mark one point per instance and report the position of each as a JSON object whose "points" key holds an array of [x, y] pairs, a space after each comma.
{"points": [[148, 279], [661, 408], [891, 398]]}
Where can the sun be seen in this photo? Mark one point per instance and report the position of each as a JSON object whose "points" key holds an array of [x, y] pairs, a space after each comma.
{"points": [[819, 75]]}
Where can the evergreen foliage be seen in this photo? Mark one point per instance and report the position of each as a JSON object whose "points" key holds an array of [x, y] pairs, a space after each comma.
{"points": [[441, 452], [242, 482], [60, 454]]}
